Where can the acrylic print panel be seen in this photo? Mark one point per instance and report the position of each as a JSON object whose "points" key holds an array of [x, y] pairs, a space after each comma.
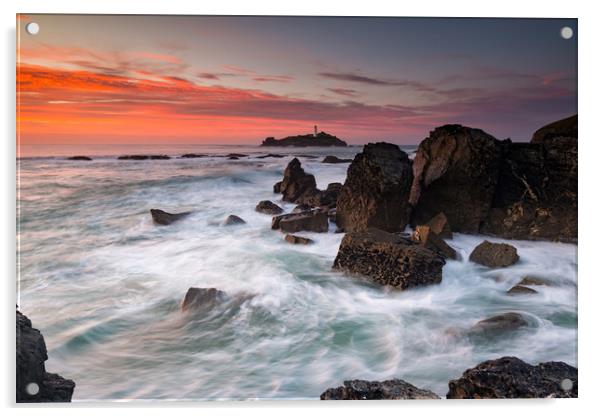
{"points": [[221, 207]]}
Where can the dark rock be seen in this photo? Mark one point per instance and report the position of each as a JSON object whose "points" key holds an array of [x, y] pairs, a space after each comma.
{"points": [[84, 158], [268, 207], [321, 139], [301, 208], [536, 196], [440, 226], [192, 155], [327, 198], [388, 259], [512, 378], [236, 155], [567, 127], [296, 182], [30, 358], [521, 290], [233, 158], [316, 221], [375, 193], [424, 236], [295, 239], [144, 157], [498, 325], [274, 155], [202, 298], [377, 390], [332, 215], [494, 254], [455, 172], [165, 218], [277, 187], [234, 220], [334, 159]]}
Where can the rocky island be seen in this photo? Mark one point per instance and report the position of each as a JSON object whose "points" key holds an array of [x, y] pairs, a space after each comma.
{"points": [[306, 140]]}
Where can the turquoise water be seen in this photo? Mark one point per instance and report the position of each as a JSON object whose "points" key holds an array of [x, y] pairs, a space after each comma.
{"points": [[104, 285]]}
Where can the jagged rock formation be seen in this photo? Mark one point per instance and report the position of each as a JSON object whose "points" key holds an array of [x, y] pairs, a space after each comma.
{"points": [[34, 384], [376, 191], [388, 259], [512, 378]]}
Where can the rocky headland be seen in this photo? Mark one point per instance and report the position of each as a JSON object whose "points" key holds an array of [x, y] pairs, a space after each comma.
{"points": [[305, 140]]}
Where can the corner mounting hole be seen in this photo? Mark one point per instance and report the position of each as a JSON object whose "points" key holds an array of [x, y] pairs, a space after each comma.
{"points": [[32, 28], [566, 32], [32, 389], [566, 384]]}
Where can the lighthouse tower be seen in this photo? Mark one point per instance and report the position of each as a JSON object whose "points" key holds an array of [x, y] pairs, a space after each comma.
{"points": [[315, 131]]}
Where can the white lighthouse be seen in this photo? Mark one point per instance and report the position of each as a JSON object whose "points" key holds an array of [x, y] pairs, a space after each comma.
{"points": [[315, 131]]}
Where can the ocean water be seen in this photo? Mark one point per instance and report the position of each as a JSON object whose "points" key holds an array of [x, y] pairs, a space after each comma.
{"points": [[104, 285]]}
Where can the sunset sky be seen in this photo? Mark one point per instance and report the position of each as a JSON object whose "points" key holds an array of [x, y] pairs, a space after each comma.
{"points": [[194, 79]]}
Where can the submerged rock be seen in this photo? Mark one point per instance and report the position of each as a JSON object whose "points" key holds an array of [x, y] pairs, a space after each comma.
{"points": [[144, 157], [31, 371], [202, 298], [395, 389], [498, 325], [494, 254], [439, 225], [234, 220], [275, 155], [455, 172], [296, 182], [165, 218], [521, 290], [512, 378], [424, 236], [295, 239], [84, 158], [533, 281], [334, 159], [192, 155], [268, 207], [388, 259], [315, 220], [376, 191]]}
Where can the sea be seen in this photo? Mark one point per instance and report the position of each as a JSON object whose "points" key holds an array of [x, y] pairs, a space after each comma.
{"points": [[104, 284]]}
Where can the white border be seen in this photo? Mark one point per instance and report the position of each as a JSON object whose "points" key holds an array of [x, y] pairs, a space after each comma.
{"points": [[589, 204]]}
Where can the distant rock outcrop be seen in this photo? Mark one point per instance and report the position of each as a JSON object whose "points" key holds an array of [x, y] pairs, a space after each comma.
{"points": [[334, 159], [512, 378], [376, 191], [82, 158], [494, 254], [34, 384], [165, 218], [455, 172], [144, 157], [305, 140], [388, 259], [377, 390]]}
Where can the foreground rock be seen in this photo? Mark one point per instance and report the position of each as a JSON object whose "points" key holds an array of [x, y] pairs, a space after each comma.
{"points": [[377, 390], [202, 298], [455, 172], [426, 237], [165, 218], [334, 159], [376, 191], [321, 139], [143, 157], [324, 199], [295, 239], [83, 158], [512, 378], [494, 254], [268, 207], [536, 196], [316, 221], [498, 325], [234, 220], [296, 183], [31, 371], [567, 127], [388, 259]]}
